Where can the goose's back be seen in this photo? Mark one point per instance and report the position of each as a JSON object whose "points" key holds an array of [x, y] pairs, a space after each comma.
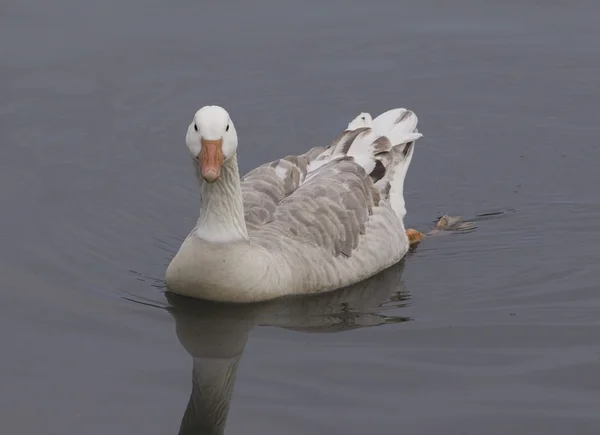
{"points": [[331, 229]]}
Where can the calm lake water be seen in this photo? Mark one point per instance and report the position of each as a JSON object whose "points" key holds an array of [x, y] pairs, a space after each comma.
{"points": [[492, 332]]}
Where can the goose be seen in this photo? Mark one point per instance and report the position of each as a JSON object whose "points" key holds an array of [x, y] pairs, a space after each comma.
{"points": [[301, 224]]}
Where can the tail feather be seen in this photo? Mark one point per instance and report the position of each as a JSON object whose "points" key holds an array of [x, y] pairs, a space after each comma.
{"points": [[400, 120], [362, 120], [399, 126], [383, 147]]}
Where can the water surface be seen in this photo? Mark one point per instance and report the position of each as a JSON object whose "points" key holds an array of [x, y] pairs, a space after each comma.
{"points": [[494, 331]]}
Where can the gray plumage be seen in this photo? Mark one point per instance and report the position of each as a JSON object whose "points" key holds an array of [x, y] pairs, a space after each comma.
{"points": [[313, 222]]}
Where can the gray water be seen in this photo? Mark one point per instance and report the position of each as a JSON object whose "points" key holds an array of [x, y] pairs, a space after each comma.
{"points": [[490, 332]]}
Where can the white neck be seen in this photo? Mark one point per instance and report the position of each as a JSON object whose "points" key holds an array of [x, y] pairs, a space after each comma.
{"points": [[221, 208]]}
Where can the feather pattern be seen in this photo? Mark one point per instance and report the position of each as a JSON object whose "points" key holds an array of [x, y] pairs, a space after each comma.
{"points": [[317, 221]]}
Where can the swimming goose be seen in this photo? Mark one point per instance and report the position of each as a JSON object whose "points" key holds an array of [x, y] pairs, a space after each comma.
{"points": [[315, 222]]}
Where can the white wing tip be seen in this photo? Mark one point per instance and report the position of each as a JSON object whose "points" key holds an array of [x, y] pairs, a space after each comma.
{"points": [[366, 161], [364, 119]]}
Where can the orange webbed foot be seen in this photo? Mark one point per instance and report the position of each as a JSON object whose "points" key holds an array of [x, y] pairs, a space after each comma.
{"points": [[414, 237]]}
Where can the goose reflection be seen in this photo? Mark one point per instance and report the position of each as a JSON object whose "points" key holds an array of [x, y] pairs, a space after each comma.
{"points": [[215, 335]]}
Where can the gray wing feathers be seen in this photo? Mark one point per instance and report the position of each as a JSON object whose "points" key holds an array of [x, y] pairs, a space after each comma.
{"points": [[264, 187], [330, 209], [338, 201], [326, 196]]}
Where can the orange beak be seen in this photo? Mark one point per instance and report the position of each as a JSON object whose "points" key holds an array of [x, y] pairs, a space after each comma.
{"points": [[211, 159]]}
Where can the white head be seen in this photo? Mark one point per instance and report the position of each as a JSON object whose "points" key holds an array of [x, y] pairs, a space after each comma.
{"points": [[212, 140]]}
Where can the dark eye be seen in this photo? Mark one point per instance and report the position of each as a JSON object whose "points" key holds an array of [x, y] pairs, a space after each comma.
{"points": [[227, 129], [195, 127]]}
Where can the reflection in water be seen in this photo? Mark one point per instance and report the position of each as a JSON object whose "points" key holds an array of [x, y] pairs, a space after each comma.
{"points": [[215, 335]]}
